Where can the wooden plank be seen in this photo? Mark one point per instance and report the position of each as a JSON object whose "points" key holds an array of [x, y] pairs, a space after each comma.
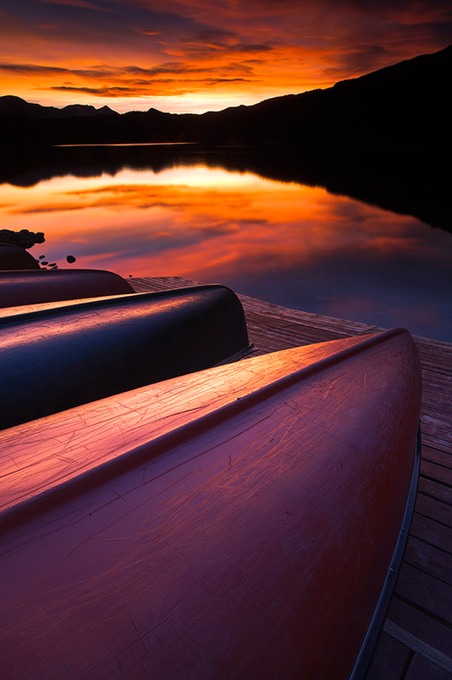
{"points": [[439, 474], [440, 458], [430, 559], [438, 490], [432, 532], [436, 426], [275, 326], [425, 592], [435, 441], [431, 633], [146, 284], [391, 659], [434, 509], [425, 650], [421, 668]]}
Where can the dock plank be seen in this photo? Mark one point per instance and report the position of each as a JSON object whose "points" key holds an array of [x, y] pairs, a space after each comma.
{"points": [[421, 668], [432, 532], [417, 638], [437, 457], [428, 558], [436, 489], [433, 508], [430, 594], [391, 659], [432, 636]]}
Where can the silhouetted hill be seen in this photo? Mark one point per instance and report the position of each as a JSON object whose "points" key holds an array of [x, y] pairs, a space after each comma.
{"points": [[16, 106], [405, 105]]}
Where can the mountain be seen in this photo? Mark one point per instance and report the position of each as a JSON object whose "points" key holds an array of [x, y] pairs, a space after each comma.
{"points": [[407, 105], [17, 106]]}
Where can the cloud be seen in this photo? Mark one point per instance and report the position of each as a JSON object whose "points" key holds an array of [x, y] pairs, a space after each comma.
{"points": [[248, 49], [83, 4], [45, 70]]}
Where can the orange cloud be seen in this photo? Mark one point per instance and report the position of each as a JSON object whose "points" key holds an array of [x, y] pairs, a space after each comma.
{"points": [[196, 55]]}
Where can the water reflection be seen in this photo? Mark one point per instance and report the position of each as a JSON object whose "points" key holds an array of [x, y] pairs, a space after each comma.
{"points": [[293, 244]]}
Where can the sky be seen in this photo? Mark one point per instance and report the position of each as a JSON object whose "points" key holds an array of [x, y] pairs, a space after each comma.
{"points": [[199, 55]]}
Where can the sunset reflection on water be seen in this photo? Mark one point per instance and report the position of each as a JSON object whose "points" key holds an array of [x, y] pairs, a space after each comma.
{"points": [[289, 243]]}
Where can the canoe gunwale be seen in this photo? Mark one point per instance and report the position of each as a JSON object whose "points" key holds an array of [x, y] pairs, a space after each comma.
{"points": [[58, 358], [59, 307], [375, 629], [193, 419], [133, 457], [26, 286]]}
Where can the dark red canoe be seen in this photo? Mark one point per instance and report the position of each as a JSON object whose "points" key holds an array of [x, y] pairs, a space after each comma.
{"points": [[246, 521], [15, 257], [57, 358], [25, 287]]}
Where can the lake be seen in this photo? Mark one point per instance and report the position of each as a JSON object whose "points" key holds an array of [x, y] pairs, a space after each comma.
{"points": [[291, 243]]}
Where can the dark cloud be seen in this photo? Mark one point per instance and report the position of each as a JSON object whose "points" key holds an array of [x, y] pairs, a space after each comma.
{"points": [[265, 48], [40, 69], [146, 88], [180, 68], [97, 91]]}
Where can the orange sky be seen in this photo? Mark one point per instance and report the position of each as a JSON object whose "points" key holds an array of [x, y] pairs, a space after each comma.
{"points": [[199, 55]]}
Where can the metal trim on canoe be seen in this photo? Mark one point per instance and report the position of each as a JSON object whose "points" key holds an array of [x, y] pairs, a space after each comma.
{"points": [[375, 627]]}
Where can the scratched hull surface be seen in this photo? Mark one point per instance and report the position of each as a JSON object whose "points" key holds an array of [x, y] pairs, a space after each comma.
{"points": [[238, 522], [57, 358]]}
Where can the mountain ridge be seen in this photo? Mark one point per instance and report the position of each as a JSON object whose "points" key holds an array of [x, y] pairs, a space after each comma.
{"points": [[406, 104], [16, 105]]}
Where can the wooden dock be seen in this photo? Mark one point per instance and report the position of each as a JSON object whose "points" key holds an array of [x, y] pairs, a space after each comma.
{"points": [[416, 643]]}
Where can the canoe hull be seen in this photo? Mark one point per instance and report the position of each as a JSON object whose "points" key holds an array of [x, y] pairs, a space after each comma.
{"points": [[252, 540], [58, 358], [33, 287], [15, 257]]}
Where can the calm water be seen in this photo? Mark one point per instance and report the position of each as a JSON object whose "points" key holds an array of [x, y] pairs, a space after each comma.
{"points": [[292, 244]]}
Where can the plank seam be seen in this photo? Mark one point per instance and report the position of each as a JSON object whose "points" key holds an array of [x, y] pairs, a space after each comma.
{"points": [[419, 646]]}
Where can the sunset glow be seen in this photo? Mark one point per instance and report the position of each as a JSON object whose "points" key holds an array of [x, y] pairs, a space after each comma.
{"points": [[195, 55], [285, 242], [201, 224]]}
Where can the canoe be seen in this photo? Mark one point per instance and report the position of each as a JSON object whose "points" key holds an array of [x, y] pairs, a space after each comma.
{"points": [[15, 257], [24, 287], [60, 357], [245, 521]]}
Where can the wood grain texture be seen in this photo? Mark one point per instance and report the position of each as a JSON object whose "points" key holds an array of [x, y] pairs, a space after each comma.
{"points": [[241, 535], [272, 327], [50, 451]]}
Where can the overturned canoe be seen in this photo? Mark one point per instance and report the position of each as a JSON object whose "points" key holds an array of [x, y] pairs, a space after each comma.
{"points": [[57, 358], [241, 522], [15, 257], [31, 287]]}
